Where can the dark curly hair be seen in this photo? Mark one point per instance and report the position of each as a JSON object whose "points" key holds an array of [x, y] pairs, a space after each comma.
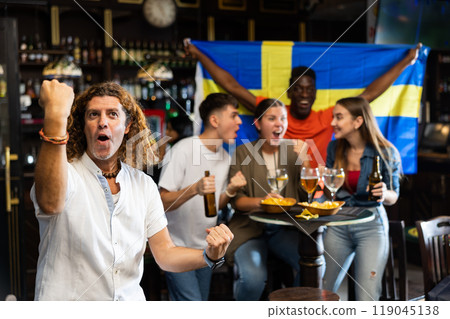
{"points": [[139, 132]]}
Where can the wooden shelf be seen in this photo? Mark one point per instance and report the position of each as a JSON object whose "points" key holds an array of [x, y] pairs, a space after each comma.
{"points": [[50, 52]]}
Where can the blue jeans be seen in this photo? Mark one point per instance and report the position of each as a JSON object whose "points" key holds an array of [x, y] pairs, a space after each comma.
{"points": [[368, 245], [189, 286], [251, 260]]}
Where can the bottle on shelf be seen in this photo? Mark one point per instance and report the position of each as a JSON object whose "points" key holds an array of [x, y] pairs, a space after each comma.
{"points": [[99, 52], [137, 90], [23, 46], [69, 44], [123, 53], [29, 90], [188, 107], [39, 49], [92, 56], [76, 50], [144, 91], [3, 84], [63, 44], [37, 86], [138, 52], [115, 54], [145, 52], [210, 202], [159, 49], [30, 47], [375, 177], [116, 78], [45, 55], [85, 52], [152, 50], [23, 43], [132, 53], [151, 91], [166, 50]]}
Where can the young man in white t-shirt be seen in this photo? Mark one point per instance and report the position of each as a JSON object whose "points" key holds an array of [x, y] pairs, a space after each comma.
{"points": [[183, 184]]}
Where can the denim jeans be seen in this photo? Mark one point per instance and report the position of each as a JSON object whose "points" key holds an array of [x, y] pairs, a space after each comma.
{"points": [[251, 260], [189, 286], [368, 244]]}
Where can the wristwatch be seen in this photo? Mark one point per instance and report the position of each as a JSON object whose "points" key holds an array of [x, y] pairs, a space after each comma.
{"points": [[213, 264]]}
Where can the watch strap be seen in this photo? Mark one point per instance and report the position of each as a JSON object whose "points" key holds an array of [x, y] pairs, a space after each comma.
{"points": [[213, 264]]}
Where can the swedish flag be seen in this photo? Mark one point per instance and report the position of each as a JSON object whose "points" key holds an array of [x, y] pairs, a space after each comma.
{"points": [[342, 70]]}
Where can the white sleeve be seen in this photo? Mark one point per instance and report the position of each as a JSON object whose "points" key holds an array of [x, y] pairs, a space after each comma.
{"points": [[156, 218], [173, 172]]}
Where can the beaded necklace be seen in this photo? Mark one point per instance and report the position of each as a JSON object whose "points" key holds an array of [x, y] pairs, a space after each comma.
{"points": [[111, 175]]}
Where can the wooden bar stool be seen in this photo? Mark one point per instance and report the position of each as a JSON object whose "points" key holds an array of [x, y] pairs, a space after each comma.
{"points": [[303, 294]]}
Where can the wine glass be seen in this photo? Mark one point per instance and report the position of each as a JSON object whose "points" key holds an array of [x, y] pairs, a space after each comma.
{"points": [[333, 179], [309, 178], [277, 179]]}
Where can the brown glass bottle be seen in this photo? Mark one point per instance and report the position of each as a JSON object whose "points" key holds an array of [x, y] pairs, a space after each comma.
{"points": [[210, 202], [375, 178]]}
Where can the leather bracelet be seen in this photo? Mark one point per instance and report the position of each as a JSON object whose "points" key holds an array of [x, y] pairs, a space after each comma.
{"points": [[54, 140], [230, 195]]}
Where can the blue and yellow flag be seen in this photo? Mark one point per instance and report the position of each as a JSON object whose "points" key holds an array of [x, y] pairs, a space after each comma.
{"points": [[342, 70]]}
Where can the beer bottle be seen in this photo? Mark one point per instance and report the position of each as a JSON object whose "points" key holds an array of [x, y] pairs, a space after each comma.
{"points": [[210, 202], [375, 177]]}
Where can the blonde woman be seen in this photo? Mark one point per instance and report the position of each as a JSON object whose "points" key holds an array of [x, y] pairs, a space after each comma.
{"points": [[358, 142]]}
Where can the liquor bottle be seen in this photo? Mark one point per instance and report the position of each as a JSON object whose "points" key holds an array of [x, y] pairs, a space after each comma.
{"points": [[23, 46], [375, 178], [145, 52], [37, 87], [92, 56], [131, 52], [3, 84], [115, 54], [45, 55], [29, 90], [123, 53], [159, 49], [32, 54], [62, 44], [138, 52], [151, 91], [85, 52], [152, 50], [69, 44], [166, 50], [38, 56], [210, 202], [99, 52], [77, 50]]}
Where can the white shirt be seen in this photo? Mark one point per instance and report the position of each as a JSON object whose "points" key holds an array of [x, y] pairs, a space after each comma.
{"points": [[186, 163], [94, 249]]}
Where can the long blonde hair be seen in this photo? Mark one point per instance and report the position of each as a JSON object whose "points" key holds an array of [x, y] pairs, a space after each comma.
{"points": [[370, 132], [77, 143]]}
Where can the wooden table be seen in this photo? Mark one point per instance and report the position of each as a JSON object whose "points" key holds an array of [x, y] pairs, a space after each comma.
{"points": [[311, 242], [303, 294]]}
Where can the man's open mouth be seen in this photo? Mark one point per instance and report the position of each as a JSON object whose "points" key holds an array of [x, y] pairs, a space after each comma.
{"points": [[102, 138]]}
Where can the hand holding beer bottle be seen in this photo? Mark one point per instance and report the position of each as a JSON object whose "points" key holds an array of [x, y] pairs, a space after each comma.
{"points": [[375, 181], [210, 200]]}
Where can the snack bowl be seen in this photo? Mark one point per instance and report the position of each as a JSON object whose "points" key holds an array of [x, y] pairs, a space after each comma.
{"points": [[323, 209], [277, 205]]}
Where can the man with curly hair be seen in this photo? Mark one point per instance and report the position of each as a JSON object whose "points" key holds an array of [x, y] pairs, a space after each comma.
{"points": [[95, 210]]}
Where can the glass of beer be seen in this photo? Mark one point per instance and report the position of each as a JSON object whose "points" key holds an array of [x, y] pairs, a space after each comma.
{"points": [[333, 179], [277, 179], [309, 178]]}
